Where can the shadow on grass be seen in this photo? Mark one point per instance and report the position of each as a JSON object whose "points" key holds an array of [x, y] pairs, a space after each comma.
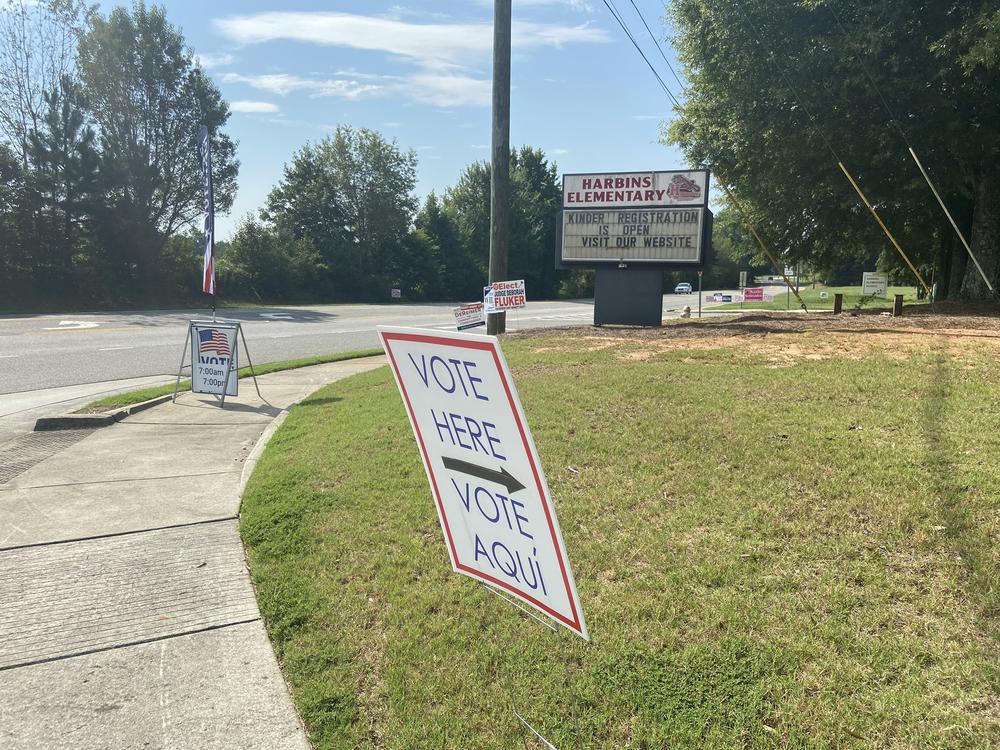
{"points": [[949, 491], [312, 402]]}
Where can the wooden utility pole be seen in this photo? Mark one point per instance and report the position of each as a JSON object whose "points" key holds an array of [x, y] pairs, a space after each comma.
{"points": [[500, 163]]}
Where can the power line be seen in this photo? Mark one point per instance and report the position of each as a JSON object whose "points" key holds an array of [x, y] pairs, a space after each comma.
{"points": [[621, 22], [609, 4], [658, 47]]}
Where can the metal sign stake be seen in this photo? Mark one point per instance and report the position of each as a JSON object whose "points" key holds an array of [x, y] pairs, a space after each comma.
{"points": [[564, 655], [180, 369], [246, 350]]}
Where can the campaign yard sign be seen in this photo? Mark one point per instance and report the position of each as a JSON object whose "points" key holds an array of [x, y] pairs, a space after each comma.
{"points": [[486, 478], [501, 296], [754, 294], [469, 315], [213, 359]]}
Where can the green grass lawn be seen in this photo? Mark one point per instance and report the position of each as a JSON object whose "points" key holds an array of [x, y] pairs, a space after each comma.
{"points": [[128, 398], [772, 551], [853, 299]]}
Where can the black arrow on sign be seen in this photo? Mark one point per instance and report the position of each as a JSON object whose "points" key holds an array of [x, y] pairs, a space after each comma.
{"points": [[503, 476]]}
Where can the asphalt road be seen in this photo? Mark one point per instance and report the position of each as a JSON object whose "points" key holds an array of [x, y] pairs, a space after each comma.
{"points": [[55, 363], [49, 351]]}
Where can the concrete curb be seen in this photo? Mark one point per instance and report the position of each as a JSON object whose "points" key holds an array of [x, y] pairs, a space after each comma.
{"points": [[250, 463], [88, 421]]}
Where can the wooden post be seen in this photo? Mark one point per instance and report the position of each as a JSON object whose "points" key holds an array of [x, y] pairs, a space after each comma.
{"points": [[838, 303], [897, 306], [500, 163]]}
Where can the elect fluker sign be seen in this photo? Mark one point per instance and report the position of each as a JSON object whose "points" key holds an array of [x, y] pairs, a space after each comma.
{"points": [[485, 475]]}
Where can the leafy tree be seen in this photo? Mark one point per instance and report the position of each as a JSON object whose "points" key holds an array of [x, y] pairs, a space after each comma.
{"points": [[63, 180], [459, 276], [416, 267], [535, 201], [351, 195], [777, 84], [265, 262], [13, 267], [37, 50], [148, 100], [467, 206]]}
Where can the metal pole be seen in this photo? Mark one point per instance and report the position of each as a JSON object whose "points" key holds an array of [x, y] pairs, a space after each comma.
{"points": [[874, 213], [954, 226], [180, 369], [246, 350], [500, 163], [699, 294]]}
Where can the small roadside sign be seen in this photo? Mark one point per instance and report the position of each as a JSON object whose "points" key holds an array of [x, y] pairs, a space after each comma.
{"points": [[501, 296], [493, 502], [754, 294], [396, 293], [469, 315], [875, 284], [214, 359]]}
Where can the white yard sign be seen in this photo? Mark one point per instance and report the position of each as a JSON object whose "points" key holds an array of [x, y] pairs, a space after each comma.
{"points": [[501, 296], [213, 359], [469, 315], [486, 478], [875, 284]]}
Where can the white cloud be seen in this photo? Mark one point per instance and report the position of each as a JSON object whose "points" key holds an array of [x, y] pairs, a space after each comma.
{"points": [[448, 89], [580, 5], [557, 151], [283, 83], [212, 60], [445, 54], [248, 106], [431, 44]]}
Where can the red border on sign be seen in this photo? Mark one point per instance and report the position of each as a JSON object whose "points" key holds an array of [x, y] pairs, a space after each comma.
{"points": [[387, 336]]}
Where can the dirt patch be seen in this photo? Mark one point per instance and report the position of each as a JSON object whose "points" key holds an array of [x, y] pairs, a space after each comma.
{"points": [[787, 339]]}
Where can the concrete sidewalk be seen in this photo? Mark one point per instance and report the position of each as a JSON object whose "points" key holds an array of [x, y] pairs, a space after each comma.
{"points": [[127, 617]]}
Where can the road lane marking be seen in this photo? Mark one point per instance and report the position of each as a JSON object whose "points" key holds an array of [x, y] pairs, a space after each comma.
{"points": [[115, 348], [66, 325]]}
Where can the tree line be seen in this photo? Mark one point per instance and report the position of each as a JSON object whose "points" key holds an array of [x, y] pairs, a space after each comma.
{"points": [[98, 172], [343, 224], [101, 199], [100, 192], [781, 90]]}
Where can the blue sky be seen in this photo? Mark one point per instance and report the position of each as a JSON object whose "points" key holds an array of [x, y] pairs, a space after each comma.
{"points": [[419, 73]]}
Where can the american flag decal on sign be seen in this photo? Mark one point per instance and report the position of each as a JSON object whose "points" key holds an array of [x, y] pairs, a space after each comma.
{"points": [[213, 341]]}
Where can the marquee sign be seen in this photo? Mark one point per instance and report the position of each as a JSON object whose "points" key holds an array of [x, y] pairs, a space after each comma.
{"points": [[635, 189], [661, 235]]}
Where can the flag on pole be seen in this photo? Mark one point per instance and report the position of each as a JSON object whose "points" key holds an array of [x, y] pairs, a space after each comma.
{"points": [[205, 158]]}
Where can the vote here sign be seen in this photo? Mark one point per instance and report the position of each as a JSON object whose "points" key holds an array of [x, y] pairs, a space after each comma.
{"points": [[486, 478]]}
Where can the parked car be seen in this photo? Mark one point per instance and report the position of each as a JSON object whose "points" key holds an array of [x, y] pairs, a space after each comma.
{"points": [[682, 288]]}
